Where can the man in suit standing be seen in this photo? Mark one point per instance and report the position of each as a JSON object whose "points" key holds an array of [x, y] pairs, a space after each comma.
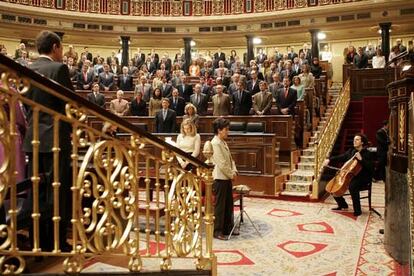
{"points": [[253, 83], [217, 57], [125, 80], [233, 87], [145, 88], [166, 88], [185, 89], [85, 78], [86, 53], [165, 119], [96, 97], [361, 59], [73, 70], [199, 100], [221, 102], [242, 100], [177, 103], [288, 72], [106, 79], [139, 58], [307, 53], [119, 106], [262, 101], [275, 85], [50, 65], [286, 99]]}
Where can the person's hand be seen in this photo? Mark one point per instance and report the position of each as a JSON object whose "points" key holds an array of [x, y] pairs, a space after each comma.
{"points": [[358, 156], [285, 111], [325, 163]]}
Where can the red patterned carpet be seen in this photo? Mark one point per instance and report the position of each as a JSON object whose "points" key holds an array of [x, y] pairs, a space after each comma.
{"points": [[301, 238]]}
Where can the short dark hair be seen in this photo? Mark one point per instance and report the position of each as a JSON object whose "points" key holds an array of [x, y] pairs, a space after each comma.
{"points": [[45, 41], [364, 138], [385, 122], [219, 124]]}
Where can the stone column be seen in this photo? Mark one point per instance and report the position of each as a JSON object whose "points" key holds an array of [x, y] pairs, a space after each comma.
{"points": [[250, 52], [385, 39], [187, 53], [315, 42], [125, 50]]}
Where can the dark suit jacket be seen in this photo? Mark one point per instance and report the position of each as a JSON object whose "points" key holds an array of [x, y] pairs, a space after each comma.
{"points": [[138, 109], [166, 92], [243, 106], [284, 74], [361, 61], [202, 105], [99, 99], [139, 60], [185, 92], [81, 80], [106, 82], [168, 125], [253, 89], [289, 102], [179, 105], [125, 85], [58, 72]]}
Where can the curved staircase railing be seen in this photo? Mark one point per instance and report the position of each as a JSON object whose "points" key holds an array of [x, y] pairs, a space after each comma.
{"points": [[127, 201], [410, 172], [327, 137]]}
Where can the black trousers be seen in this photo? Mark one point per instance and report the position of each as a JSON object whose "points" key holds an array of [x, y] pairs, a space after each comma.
{"points": [[382, 163], [223, 211], [46, 197], [356, 185]]}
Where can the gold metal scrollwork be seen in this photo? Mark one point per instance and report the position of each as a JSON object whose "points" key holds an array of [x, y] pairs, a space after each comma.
{"points": [[11, 265]]}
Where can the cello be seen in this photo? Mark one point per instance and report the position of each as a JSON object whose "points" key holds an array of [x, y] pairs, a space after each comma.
{"points": [[338, 185]]}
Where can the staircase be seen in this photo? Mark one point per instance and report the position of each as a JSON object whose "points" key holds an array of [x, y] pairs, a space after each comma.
{"points": [[300, 181]]}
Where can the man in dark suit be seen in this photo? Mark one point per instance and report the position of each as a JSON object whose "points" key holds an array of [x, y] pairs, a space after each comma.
{"points": [[166, 88], [73, 70], [86, 53], [253, 83], [217, 57], [286, 99], [307, 53], [361, 59], [50, 65], [139, 58], [165, 119], [125, 80], [242, 100], [288, 72], [85, 78], [177, 103], [275, 85], [106, 79], [199, 100], [96, 97], [185, 89]]}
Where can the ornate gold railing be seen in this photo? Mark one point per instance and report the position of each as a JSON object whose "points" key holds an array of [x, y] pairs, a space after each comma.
{"points": [[126, 201], [410, 172], [176, 7], [328, 135]]}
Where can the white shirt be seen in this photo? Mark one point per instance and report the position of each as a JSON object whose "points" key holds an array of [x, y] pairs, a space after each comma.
{"points": [[378, 62], [189, 144]]}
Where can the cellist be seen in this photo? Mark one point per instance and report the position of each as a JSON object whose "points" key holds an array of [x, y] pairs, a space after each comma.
{"points": [[362, 179]]}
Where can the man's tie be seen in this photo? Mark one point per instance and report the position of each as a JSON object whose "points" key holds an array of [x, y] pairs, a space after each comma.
{"points": [[240, 96], [286, 92], [197, 99], [164, 114], [85, 77]]}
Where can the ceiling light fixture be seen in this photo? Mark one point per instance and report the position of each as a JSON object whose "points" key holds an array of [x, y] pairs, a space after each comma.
{"points": [[257, 40], [321, 36]]}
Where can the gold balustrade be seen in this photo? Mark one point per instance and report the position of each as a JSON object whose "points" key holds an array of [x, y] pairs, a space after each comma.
{"points": [[328, 135], [177, 8], [410, 171], [113, 182]]}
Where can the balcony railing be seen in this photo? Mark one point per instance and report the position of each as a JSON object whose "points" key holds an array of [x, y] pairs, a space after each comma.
{"points": [[125, 201], [177, 7]]}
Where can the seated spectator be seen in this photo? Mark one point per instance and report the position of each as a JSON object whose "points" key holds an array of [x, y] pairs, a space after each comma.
{"points": [[177, 103], [155, 102], [96, 97], [361, 59], [85, 79], [106, 79], [138, 106], [165, 119], [316, 68], [306, 77], [221, 102], [262, 101], [190, 112], [378, 61], [125, 80], [188, 141], [298, 87], [119, 106], [286, 99]]}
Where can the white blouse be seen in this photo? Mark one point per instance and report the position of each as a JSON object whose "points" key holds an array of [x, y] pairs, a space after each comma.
{"points": [[189, 144], [378, 62]]}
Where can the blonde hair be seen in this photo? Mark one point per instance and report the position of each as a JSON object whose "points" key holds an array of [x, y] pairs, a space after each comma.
{"points": [[190, 105], [190, 123]]}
